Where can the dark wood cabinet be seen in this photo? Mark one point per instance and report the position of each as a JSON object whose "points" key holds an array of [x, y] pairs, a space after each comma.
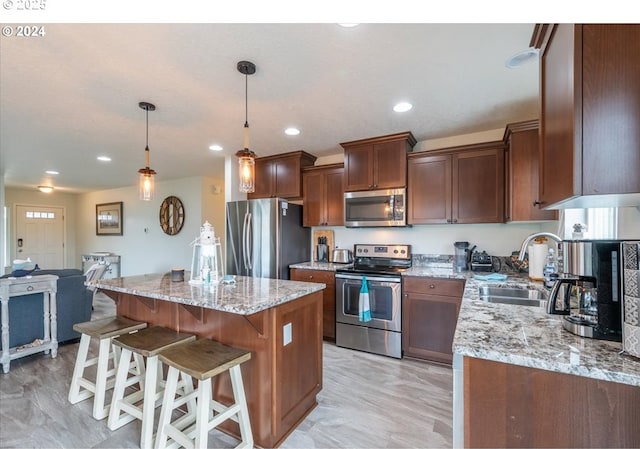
{"points": [[522, 171], [429, 316], [377, 163], [457, 185], [590, 113], [520, 407], [328, 296], [281, 175], [323, 195]]}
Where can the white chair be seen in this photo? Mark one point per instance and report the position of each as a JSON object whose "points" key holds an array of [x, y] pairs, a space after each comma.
{"points": [[95, 272]]}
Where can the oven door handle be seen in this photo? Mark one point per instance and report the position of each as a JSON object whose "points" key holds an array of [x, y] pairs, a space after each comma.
{"points": [[356, 277]]}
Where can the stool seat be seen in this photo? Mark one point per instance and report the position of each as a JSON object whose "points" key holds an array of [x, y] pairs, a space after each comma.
{"points": [[108, 327], [152, 340], [204, 358], [104, 330], [141, 404]]}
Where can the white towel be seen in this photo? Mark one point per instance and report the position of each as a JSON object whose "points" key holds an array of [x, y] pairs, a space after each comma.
{"points": [[364, 307]]}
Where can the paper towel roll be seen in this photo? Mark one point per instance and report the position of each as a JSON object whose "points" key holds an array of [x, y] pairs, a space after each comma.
{"points": [[537, 257]]}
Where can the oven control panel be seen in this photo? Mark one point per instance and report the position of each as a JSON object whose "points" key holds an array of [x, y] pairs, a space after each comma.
{"points": [[383, 251]]}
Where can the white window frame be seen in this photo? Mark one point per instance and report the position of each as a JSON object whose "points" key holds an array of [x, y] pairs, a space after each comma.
{"points": [[601, 223]]}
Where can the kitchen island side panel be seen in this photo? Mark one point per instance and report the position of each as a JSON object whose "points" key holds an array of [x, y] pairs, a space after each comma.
{"points": [[281, 381]]}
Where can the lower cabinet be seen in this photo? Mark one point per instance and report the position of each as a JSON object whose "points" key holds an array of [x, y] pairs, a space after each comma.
{"points": [[328, 296], [506, 405], [429, 316]]}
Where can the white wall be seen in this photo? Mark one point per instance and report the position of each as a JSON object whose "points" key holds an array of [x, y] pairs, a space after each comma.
{"points": [[4, 257], [496, 239], [144, 247], [629, 223]]}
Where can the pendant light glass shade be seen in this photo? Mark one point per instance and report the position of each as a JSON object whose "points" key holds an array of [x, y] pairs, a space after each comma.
{"points": [[146, 177], [246, 157]]}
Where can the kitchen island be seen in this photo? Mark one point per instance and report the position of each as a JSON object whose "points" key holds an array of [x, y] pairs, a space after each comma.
{"points": [[521, 380], [279, 321]]}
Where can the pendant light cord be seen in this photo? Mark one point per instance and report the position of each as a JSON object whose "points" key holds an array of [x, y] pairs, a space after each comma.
{"points": [[246, 101], [147, 109], [147, 153]]}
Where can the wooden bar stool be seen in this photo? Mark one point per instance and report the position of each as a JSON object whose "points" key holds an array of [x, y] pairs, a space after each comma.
{"points": [[149, 343], [203, 359], [104, 330]]}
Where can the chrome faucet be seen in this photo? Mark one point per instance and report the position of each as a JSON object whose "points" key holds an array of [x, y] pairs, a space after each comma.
{"points": [[528, 240]]}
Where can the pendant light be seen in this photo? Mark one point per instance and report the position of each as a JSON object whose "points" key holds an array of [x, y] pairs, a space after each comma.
{"points": [[246, 157], [146, 185]]}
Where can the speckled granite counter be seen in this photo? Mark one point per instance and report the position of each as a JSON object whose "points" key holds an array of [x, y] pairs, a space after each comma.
{"points": [[528, 336], [323, 266], [247, 296]]}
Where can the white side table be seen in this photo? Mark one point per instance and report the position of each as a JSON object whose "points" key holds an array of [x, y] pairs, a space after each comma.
{"points": [[12, 288]]}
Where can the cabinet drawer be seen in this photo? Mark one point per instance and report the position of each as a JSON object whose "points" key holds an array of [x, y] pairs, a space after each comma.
{"points": [[433, 286], [27, 288], [319, 276]]}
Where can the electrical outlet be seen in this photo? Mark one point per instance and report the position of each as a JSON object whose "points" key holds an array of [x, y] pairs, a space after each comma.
{"points": [[286, 334]]}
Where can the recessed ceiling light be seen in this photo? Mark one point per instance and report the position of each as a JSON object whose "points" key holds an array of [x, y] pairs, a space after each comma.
{"points": [[292, 131], [522, 58], [52, 172], [348, 25], [215, 147], [104, 158], [402, 107]]}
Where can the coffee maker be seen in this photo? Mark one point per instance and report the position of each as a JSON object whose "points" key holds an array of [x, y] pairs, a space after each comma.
{"points": [[588, 292]]}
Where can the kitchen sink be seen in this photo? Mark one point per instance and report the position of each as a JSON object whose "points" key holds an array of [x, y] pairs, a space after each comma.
{"points": [[511, 295]]}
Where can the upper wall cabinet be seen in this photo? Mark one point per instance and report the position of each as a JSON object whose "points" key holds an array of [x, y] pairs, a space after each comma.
{"points": [[462, 184], [281, 175], [378, 162], [323, 195], [521, 187], [590, 114]]}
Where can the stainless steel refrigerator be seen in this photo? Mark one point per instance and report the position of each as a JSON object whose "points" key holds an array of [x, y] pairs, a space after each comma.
{"points": [[264, 237]]}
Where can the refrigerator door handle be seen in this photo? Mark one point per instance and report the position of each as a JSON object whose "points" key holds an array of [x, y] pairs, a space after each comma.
{"points": [[249, 233], [244, 240]]}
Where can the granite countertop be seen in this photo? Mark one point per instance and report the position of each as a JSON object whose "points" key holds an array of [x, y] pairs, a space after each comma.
{"points": [[247, 296], [529, 336], [323, 266]]}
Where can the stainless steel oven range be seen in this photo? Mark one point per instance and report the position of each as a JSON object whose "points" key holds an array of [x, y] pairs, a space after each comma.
{"points": [[382, 266]]}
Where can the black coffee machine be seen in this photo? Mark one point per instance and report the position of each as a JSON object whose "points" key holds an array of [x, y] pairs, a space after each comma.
{"points": [[589, 292]]}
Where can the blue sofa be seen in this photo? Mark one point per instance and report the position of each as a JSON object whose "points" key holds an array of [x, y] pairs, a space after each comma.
{"points": [[74, 302]]}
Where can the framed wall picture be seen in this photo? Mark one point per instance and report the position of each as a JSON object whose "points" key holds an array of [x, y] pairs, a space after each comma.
{"points": [[109, 219]]}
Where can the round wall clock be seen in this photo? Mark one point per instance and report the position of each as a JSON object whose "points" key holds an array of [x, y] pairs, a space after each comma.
{"points": [[171, 215]]}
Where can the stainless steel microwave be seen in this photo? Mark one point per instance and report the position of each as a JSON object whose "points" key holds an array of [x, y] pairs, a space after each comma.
{"points": [[375, 208]]}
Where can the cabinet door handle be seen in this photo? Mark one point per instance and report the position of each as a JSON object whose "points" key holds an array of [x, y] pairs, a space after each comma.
{"points": [[455, 220], [432, 286], [310, 276], [537, 203], [30, 288], [448, 220]]}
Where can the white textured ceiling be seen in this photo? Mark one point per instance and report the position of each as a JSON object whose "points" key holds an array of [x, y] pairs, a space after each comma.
{"points": [[73, 95]]}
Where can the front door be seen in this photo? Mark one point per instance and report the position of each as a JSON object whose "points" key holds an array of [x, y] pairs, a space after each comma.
{"points": [[40, 235]]}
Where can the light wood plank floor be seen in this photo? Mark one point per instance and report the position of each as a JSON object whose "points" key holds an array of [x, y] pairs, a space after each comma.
{"points": [[368, 401]]}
